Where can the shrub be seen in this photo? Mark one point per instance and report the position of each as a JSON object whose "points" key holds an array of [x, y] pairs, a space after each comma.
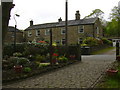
{"points": [[17, 54], [84, 45], [8, 50], [27, 69], [35, 49], [34, 64], [19, 61], [43, 65], [43, 49], [90, 41], [23, 61], [40, 58], [6, 64], [13, 60], [10, 62], [106, 41], [62, 59], [100, 41], [31, 57]]}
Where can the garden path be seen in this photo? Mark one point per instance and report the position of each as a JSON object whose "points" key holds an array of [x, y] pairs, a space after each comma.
{"points": [[79, 75]]}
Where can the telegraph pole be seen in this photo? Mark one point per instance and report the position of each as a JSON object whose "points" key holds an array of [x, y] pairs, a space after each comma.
{"points": [[66, 23], [66, 28]]}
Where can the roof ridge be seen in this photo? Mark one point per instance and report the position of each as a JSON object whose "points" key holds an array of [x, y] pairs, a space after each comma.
{"points": [[62, 23]]}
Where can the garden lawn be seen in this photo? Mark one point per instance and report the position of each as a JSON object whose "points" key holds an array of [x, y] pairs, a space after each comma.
{"points": [[103, 51], [111, 81]]}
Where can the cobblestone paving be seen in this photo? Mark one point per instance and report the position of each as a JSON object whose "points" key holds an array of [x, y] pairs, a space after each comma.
{"points": [[79, 75]]}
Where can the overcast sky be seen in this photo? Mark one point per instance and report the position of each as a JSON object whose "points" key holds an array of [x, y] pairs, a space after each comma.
{"points": [[46, 11]]}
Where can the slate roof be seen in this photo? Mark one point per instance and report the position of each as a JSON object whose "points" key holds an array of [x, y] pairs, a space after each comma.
{"points": [[12, 29], [62, 23]]}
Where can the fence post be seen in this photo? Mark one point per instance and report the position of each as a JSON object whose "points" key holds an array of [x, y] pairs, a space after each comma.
{"points": [[51, 47], [79, 52], [117, 49]]}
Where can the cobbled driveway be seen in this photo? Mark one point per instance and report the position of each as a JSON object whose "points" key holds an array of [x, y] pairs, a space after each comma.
{"points": [[80, 75]]}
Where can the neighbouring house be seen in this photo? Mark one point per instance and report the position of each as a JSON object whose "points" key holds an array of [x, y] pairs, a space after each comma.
{"points": [[9, 38], [78, 29]]}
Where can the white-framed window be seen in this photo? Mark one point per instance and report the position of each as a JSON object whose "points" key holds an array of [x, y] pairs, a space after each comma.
{"points": [[97, 29], [62, 30], [47, 32], [37, 32], [63, 41], [80, 40], [81, 29], [29, 33]]}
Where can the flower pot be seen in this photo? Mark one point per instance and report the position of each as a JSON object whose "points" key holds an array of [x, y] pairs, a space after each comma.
{"points": [[18, 68], [112, 72]]}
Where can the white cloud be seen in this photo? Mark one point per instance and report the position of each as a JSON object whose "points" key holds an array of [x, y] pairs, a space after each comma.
{"points": [[45, 11]]}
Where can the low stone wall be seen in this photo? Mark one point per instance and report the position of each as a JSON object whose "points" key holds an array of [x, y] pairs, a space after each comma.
{"points": [[89, 50], [97, 48]]}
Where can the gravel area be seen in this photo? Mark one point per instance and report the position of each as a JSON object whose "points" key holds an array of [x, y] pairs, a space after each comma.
{"points": [[80, 75]]}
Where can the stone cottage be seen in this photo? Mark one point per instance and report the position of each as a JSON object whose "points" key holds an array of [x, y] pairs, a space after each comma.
{"points": [[9, 38], [78, 29]]}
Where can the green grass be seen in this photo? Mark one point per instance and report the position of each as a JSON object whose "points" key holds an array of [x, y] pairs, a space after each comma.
{"points": [[103, 51], [111, 81]]}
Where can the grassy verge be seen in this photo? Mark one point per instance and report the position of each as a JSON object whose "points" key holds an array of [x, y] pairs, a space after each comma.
{"points": [[103, 51], [111, 81]]}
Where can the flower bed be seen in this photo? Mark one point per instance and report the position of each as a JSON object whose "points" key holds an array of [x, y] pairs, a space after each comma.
{"points": [[11, 76], [30, 61]]}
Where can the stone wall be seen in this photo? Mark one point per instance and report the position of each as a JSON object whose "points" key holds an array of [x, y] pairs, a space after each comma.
{"points": [[9, 38], [73, 35]]}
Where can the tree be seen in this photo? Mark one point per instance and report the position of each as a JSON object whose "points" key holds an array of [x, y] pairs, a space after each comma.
{"points": [[115, 12], [95, 13], [112, 27]]}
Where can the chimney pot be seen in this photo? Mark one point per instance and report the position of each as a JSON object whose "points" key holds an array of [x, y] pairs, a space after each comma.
{"points": [[59, 20], [31, 22], [77, 15]]}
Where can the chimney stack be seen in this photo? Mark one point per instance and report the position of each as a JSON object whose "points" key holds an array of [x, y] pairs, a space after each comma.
{"points": [[31, 22], [77, 15], [59, 20]]}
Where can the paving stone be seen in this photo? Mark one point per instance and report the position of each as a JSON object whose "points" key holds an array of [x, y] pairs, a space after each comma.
{"points": [[79, 75]]}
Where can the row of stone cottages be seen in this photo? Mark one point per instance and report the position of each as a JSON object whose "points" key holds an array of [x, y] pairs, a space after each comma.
{"points": [[78, 29]]}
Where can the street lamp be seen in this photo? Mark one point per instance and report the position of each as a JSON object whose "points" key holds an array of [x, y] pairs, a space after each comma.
{"points": [[15, 32]]}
